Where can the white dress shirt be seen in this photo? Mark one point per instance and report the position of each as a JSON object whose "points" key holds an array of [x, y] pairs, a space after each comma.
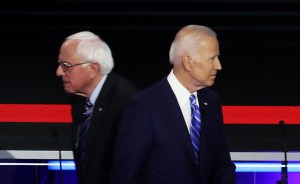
{"points": [[183, 98], [97, 90]]}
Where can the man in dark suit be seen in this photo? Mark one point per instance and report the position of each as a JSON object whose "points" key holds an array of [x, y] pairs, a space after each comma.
{"points": [[156, 141], [85, 64]]}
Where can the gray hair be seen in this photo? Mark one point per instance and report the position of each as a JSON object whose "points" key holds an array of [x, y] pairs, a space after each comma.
{"points": [[186, 40], [93, 49]]}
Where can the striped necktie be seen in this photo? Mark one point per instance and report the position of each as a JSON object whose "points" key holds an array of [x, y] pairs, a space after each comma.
{"points": [[85, 122], [195, 127]]}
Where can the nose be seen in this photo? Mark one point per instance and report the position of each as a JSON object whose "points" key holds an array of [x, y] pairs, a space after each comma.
{"points": [[218, 65], [59, 71]]}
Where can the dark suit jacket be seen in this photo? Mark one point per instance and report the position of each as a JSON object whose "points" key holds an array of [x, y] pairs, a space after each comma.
{"points": [[153, 143], [107, 111]]}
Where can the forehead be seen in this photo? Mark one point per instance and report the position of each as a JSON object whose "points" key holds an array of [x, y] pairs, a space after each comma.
{"points": [[68, 51], [208, 44]]}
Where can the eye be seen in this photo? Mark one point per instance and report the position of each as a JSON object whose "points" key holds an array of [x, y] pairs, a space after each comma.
{"points": [[214, 57], [64, 65], [67, 65]]}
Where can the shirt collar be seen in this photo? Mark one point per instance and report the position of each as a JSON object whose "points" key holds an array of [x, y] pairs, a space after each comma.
{"points": [[97, 90], [181, 93]]}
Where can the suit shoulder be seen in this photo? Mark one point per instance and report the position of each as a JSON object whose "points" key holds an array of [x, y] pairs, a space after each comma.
{"points": [[154, 92], [209, 94], [122, 84]]}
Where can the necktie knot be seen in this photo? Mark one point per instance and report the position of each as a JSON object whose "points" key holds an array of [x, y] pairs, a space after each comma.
{"points": [[88, 107], [88, 104], [194, 106], [193, 99]]}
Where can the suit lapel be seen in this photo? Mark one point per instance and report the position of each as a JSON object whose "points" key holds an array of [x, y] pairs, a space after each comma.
{"points": [[97, 122], [175, 113], [204, 108]]}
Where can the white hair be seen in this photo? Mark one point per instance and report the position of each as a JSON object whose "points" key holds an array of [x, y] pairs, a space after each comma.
{"points": [[186, 40], [93, 49]]}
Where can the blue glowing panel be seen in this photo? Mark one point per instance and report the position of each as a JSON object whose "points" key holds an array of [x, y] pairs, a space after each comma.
{"points": [[63, 165]]}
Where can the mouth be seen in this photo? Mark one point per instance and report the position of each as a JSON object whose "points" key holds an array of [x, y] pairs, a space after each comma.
{"points": [[214, 75], [65, 81]]}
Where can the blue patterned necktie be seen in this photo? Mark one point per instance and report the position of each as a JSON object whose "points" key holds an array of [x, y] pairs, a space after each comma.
{"points": [[85, 122], [195, 126]]}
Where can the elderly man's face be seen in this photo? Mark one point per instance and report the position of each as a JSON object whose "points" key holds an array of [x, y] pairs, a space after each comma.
{"points": [[75, 79], [205, 62]]}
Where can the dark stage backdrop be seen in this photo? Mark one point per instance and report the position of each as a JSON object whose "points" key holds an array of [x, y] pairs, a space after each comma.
{"points": [[259, 44]]}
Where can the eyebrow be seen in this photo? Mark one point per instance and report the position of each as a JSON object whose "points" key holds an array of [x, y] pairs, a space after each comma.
{"points": [[216, 55], [60, 61]]}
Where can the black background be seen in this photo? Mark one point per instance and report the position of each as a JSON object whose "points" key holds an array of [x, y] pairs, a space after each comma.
{"points": [[259, 44]]}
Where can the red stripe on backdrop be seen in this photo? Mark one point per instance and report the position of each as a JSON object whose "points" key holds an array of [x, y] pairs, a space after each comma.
{"points": [[54, 113], [35, 113], [261, 114]]}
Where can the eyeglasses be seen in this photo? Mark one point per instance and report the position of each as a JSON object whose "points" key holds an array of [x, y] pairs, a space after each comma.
{"points": [[65, 66]]}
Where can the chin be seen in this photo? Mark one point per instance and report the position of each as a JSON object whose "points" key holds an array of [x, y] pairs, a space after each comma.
{"points": [[210, 84], [67, 90]]}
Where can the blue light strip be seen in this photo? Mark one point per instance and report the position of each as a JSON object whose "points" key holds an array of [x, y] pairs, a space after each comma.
{"points": [[65, 165], [265, 167], [240, 166]]}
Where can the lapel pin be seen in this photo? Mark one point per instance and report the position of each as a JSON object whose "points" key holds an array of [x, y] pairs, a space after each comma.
{"points": [[205, 103], [100, 109]]}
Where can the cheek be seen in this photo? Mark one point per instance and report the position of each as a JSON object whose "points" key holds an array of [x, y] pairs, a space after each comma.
{"points": [[202, 73], [77, 82], [208, 70]]}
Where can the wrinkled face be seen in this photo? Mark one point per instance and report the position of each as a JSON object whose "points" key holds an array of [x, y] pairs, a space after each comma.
{"points": [[205, 62], [75, 79]]}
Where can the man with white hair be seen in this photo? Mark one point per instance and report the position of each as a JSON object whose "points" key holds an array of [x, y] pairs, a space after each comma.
{"points": [[85, 63]]}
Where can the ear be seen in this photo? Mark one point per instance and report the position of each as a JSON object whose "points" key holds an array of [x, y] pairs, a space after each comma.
{"points": [[94, 69], [187, 62]]}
